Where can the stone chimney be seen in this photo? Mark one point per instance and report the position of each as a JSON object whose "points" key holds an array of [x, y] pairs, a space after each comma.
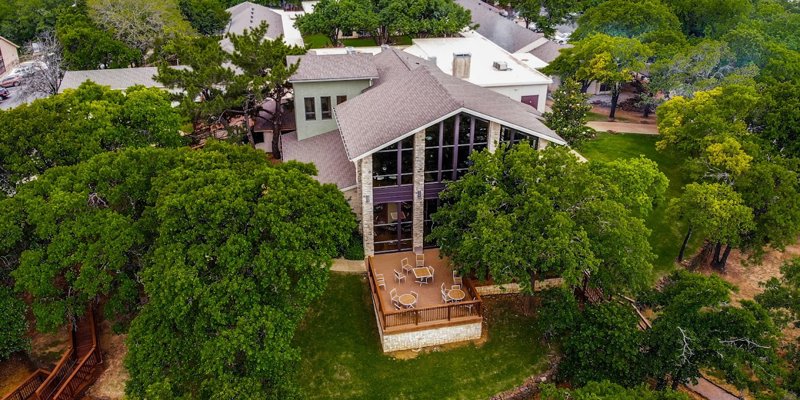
{"points": [[461, 63]]}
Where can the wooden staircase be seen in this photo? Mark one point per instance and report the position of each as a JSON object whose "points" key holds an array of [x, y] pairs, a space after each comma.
{"points": [[75, 372]]}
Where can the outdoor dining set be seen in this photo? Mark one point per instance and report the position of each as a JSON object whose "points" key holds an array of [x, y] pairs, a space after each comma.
{"points": [[423, 275]]}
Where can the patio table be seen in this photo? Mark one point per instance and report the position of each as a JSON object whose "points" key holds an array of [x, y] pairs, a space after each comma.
{"points": [[456, 294], [422, 273], [406, 299]]}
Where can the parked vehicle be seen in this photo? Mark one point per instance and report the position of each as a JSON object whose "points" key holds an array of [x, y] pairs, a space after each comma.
{"points": [[21, 73], [4, 94]]}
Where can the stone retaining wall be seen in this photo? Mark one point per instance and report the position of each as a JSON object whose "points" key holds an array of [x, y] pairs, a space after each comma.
{"points": [[430, 337]]}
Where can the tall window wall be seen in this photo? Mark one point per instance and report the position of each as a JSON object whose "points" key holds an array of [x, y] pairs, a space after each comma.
{"points": [[394, 165], [512, 136], [449, 143], [393, 226]]}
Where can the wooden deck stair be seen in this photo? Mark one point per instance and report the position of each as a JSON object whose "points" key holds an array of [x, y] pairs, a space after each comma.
{"points": [[75, 372]]}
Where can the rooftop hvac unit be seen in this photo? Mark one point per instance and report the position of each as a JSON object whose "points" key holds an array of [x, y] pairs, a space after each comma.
{"points": [[501, 66]]}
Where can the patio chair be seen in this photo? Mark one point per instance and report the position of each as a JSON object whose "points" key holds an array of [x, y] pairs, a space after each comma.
{"points": [[406, 266], [399, 276], [457, 279], [432, 271], [396, 304], [420, 260], [445, 297], [416, 297], [380, 281], [393, 294], [453, 287]]}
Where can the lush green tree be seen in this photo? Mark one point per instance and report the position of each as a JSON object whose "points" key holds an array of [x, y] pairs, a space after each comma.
{"points": [[716, 213], [241, 249], [697, 327], [559, 312], [607, 390], [420, 18], [605, 344], [569, 113], [91, 119], [206, 16], [22, 20], [335, 17], [86, 46], [15, 325], [781, 295], [202, 85], [264, 78], [140, 23], [711, 18], [703, 66], [626, 18], [544, 14], [604, 59], [519, 214]]}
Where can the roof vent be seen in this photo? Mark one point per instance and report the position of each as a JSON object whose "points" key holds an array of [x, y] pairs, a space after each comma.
{"points": [[432, 59], [501, 66]]}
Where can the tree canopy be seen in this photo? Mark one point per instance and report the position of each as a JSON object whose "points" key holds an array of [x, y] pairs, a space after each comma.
{"points": [[569, 113], [86, 46], [206, 16], [91, 119], [626, 18], [519, 214], [227, 248]]}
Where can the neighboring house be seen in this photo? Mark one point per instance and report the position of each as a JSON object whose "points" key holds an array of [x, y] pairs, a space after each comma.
{"points": [[512, 37], [117, 79], [9, 57], [482, 62], [390, 130], [247, 16]]}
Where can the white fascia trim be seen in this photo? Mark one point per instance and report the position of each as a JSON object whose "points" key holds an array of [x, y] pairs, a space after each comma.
{"points": [[369, 78], [456, 112], [348, 188]]}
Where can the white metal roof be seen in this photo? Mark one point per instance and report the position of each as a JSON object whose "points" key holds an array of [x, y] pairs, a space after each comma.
{"points": [[484, 53]]}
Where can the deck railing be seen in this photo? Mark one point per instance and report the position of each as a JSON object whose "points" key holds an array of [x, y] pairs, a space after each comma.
{"points": [[28, 388], [456, 312], [85, 372]]}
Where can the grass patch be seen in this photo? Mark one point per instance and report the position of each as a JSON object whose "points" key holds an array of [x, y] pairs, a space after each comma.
{"points": [[665, 240], [593, 116], [316, 41], [342, 358]]}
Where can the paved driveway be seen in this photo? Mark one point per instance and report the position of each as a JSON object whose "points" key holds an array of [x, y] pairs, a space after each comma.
{"points": [[19, 95]]}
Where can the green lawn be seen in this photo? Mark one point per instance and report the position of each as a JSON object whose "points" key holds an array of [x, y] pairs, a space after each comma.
{"points": [[593, 116], [666, 240], [317, 41], [342, 359]]}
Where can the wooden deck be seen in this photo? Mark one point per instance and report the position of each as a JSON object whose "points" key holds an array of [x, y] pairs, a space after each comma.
{"points": [[430, 311]]}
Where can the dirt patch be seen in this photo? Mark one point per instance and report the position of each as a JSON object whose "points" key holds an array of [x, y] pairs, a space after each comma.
{"points": [[14, 372], [47, 348], [110, 385]]}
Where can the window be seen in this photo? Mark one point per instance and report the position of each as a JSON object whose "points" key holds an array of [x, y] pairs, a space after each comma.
{"points": [[430, 207], [258, 137], [340, 99], [325, 102], [393, 226], [512, 136], [311, 112], [532, 101], [449, 144], [394, 165]]}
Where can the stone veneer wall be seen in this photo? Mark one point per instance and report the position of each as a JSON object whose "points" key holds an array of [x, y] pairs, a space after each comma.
{"points": [[367, 221], [431, 337], [494, 136], [419, 190]]}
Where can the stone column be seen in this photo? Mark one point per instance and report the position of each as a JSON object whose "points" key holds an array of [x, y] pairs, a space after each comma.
{"points": [[494, 136], [367, 220], [542, 144], [419, 190]]}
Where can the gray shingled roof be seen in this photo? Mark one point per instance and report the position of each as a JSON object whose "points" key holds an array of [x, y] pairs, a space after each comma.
{"points": [[548, 51], [327, 153], [500, 30], [333, 67], [248, 16], [411, 95], [118, 79]]}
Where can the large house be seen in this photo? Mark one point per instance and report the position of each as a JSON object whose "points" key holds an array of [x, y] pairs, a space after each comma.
{"points": [[9, 57], [390, 130]]}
